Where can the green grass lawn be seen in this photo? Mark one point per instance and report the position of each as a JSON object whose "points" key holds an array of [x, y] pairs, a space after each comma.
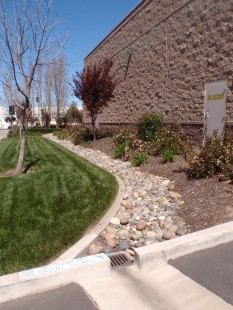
{"points": [[49, 208]]}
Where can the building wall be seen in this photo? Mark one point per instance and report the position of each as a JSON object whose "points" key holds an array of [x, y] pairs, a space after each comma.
{"points": [[164, 52]]}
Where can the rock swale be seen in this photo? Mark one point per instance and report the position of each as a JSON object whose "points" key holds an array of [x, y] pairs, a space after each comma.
{"points": [[148, 211]]}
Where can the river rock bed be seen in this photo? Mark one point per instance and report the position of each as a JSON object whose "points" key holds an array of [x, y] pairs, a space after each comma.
{"points": [[147, 213]]}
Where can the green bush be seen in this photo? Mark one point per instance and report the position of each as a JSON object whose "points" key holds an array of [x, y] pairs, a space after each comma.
{"points": [[168, 156], [61, 134], [119, 150], [148, 126], [215, 158], [172, 139], [139, 158]]}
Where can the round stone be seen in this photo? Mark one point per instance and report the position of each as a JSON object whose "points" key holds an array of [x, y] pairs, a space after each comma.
{"points": [[123, 234], [173, 228], [129, 205], [125, 196], [111, 242], [123, 245], [131, 252], [168, 234], [180, 231], [109, 236], [135, 236], [110, 229], [124, 219], [150, 234], [95, 250], [115, 221], [141, 225]]}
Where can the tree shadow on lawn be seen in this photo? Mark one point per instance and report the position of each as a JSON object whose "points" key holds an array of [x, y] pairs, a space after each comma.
{"points": [[30, 164]]}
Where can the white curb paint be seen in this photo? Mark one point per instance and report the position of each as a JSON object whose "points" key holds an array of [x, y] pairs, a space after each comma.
{"points": [[48, 277]]}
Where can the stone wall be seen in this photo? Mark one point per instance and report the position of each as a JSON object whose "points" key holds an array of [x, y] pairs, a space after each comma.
{"points": [[164, 52]]}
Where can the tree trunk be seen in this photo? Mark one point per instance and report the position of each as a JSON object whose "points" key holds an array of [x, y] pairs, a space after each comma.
{"points": [[19, 167]]}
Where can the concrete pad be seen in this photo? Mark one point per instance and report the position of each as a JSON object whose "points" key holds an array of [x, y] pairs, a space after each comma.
{"points": [[158, 253], [160, 288]]}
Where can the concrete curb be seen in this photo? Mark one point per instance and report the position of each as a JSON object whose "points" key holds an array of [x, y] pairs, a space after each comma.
{"points": [[79, 247], [52, 276], [158, 253]]}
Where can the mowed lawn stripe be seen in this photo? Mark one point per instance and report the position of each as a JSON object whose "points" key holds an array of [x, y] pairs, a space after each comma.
{"points": [[47, 209]]}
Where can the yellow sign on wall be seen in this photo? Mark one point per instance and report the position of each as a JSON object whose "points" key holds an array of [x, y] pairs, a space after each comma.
{"points": [[215, 97]]}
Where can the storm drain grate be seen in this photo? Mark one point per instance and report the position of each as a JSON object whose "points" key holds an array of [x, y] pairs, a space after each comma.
{"points": [[120, 259]]}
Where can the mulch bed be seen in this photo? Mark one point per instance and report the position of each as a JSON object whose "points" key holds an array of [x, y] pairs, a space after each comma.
{"points": [[207, 202]]}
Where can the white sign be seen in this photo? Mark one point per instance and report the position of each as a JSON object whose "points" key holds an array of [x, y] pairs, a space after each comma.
{"points": [[53, 268]]}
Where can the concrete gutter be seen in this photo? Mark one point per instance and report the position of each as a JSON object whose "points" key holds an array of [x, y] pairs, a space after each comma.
{"points": [[160, 253]]}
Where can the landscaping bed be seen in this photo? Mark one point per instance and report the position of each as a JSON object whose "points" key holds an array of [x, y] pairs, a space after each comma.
{"points": [[207, 202]]}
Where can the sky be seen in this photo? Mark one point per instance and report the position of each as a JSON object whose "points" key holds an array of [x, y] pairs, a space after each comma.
{"points": [[88, 22]]}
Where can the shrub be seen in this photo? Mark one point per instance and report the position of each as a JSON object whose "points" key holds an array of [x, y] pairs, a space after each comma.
{"points": [[172, 139], [215, 158], [119, 150], [77, 134], [139, 158], [125, 135], [148, 126], [61, 134], [168, 156]]}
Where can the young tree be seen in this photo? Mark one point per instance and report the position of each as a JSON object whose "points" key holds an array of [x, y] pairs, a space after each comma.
{"points": [[95, 87], [60, 83], [26, 42]]}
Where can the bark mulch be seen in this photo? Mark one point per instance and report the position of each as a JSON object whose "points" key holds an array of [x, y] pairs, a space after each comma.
{"points": [[207, 202]]}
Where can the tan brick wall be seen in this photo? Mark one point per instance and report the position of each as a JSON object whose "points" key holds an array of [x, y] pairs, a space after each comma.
{"points": [[176, 47]]}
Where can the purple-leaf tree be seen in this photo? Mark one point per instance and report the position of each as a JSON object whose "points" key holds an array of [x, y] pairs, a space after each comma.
{"points": [[95, 86]]}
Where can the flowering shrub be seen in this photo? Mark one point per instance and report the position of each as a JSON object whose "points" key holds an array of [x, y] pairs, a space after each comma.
{"points": [[125, 135], [148, 126], [215, 158], [171, 139]]}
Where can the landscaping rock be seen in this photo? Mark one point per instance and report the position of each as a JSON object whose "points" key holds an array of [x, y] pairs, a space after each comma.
{"points": [[95, 250], [140, 226], [111, 242], [115, 221], [168, 234], [123, 245]]}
